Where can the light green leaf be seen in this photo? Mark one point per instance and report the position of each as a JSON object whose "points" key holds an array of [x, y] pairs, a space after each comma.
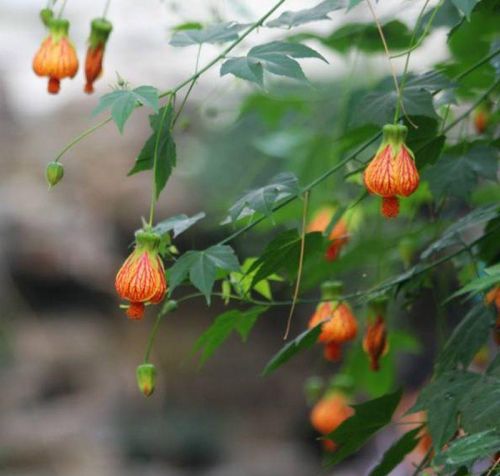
{"points": [[123, 101], [241, 322], [481, 284], [319, 12], [218, 33], [178, 224], [262, 200], [465, 6]]}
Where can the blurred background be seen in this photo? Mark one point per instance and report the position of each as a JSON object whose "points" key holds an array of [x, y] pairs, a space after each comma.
{"points": [[69, 404]]}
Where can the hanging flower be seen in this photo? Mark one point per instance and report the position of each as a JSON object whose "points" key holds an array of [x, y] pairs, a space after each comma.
{"points": [[328, 414], [141, 279], [392, 172], [339, 323], [56, 57], [375, 340], [100, 29], [338, 237], [482, 117]]}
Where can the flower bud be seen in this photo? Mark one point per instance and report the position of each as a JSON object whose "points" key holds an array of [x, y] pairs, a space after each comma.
{"points": [[146, 378], [375, 342], [100, 29], [482, 117], [54, 173], [46, 15]]}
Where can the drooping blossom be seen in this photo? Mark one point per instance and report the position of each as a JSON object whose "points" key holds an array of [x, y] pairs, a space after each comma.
{"points": [[56, 57], [141, 279], [392, 172], [100, 29]]}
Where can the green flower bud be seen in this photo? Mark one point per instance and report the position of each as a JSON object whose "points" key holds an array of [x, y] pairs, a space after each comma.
{"points": [[54, 173], [146, 378], [46, 15]]}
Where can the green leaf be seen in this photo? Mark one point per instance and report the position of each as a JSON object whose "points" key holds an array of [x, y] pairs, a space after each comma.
{"points": [[494, 368], [459, 170], [466, 340], [368, 419], [202, 268], [241, 322], [378, 107], [319, 12], [161, 142], [453, 235], [480, 407], [441, 400], [283, 252], [242, 281], [275, 57], [424, 140], [396, 453], [301, 342], [178, 224], [465, 6], [481, 284], [262, 200], [468, 449], [123, 101], [364, 37], [218, 33]]}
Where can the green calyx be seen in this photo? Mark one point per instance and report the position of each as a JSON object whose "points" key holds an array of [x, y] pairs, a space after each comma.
{"points": [[100, 29], [394, 134], [146, 378], [331, 290], [147, 240], [59, 28]]}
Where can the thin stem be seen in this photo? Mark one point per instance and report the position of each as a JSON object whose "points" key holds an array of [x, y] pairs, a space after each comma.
{"points": [[495, 464], [155, 163], [185, 83], [61, 11], [301, 264], [106, 8], [191, 86], [80, 137], [388, 54], [152, 337]]}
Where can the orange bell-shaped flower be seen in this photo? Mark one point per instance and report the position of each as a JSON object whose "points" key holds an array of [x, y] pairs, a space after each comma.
{"points": [[338, 237], [56, 57], [329, 413], [141, 279], [100, 29], [339, 324], [375, 342], [392, 172]]}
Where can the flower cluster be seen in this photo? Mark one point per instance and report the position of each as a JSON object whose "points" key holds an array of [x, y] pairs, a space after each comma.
{"points": [[392, 172], [57, 59], [141, 279]]}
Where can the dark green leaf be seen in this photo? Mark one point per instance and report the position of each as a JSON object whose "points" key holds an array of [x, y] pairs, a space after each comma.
{"points": [[123, 101], [160, 143], [396, 453], [202, 268], [303, 341], [262, 200], [246, 68], [457, 173], [368, 419], [468, 449], [441, 400], [453, 235], [467, 338], [241, 322], [319, 12], [219, 33], [494, 368], [424, 140], [178, 224], [481, 284]]}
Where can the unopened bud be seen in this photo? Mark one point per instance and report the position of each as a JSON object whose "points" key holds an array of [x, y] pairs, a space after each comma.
{"points": [[46, 15], [146, 378], [226, 291], [54, 173]]}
